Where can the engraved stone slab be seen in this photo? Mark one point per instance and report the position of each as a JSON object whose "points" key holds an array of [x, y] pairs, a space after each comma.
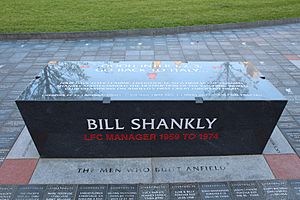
{"points": [[277, 144], [66, 192], [3, 153], [6, 140], [30, 192], [12, 130], [88, 192], [23, 147], [184, 191], [122, 192], [294, 138], [207, 169], [274, 189], [295, 188], [154, 191], [89, 171], [7, 192], [296, 63], [246, 190], [215, 191], [145, 170]]}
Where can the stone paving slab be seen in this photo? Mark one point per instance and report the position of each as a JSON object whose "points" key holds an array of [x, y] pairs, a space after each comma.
{"points": [[277, 144], [89, 171], [3, 154], [206, 169], [215, 191], [30, 192], [246, 190], [7, 191], [23, 147], [154, 191], [92, 191], [296, 62], [276, 190], [59, 192], [294, 188], [155, 170]]}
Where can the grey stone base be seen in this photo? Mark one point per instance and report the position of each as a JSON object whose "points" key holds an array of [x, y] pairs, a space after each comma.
{"points": [[151, 170], [277, 144], [23, 147]]}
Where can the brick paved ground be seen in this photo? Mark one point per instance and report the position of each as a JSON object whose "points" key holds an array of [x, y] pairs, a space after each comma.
{"points": [[274, 50]]}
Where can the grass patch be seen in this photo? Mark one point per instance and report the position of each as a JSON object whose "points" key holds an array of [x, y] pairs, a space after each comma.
{"points": [[91, 15]]}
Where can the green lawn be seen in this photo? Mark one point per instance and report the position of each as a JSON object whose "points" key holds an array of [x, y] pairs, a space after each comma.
{"points": [[92, 15]]}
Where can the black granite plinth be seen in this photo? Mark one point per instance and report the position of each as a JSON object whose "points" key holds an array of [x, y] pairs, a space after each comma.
{"points": [[143, 109]]}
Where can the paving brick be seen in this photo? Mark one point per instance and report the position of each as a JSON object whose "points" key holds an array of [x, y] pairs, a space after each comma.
{"points": [[17, 171], [284, 166]]}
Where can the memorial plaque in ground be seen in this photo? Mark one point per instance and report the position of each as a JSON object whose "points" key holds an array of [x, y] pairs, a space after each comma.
{"points": [[184, 191], [143, 109], [30, 192], [246, 190], [215, 191], [275, 189], [294, 188], [66, 192], [3, 153], [154, 192], [122, 192], [91, 192], [7, 192]]}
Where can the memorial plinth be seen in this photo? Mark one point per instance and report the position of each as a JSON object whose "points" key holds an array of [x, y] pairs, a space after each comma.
{"points": [[150, 109]]}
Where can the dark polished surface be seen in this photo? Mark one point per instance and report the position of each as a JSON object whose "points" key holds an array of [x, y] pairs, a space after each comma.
{"points": [[241, 190], [146, 80], [56, 106]]}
